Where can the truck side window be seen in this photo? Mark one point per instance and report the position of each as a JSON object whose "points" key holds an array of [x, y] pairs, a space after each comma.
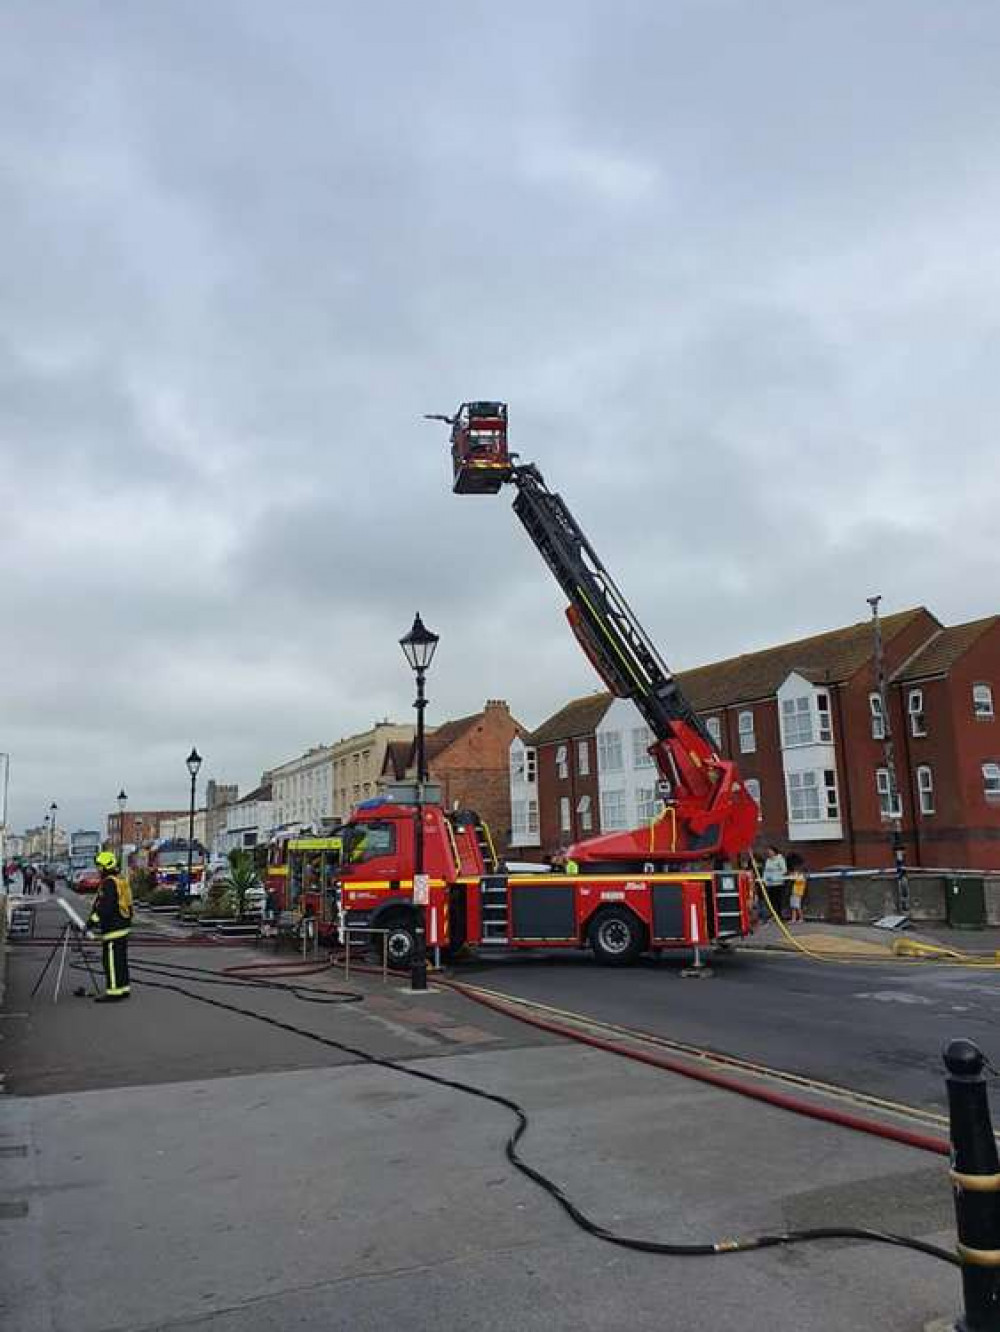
{"points": [[371, 840]]}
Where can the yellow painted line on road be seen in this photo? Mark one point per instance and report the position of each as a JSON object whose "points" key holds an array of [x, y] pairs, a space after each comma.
{"points": [[715, 1058]]}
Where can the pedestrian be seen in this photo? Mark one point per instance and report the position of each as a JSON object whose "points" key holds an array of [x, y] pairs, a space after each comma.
{"points": [[563, 863], [799, 881], [775, 873], [27, 879], [112, 918]]}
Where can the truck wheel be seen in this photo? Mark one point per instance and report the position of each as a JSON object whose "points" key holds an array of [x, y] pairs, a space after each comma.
{"points": [[617, 937], [399, 943]]}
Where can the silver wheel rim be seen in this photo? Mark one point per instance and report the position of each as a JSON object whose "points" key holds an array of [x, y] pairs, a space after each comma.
{"points": [[615, 936], [398, 945]]}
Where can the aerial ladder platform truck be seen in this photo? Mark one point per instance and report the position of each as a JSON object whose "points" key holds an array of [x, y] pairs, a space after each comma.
{"points": [[673, 883]]}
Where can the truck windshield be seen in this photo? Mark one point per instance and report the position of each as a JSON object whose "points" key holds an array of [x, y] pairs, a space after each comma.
{"points": [[368, 841]]}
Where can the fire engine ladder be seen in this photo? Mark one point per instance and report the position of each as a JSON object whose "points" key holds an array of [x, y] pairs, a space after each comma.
{"points": [[484, 840], [493, 909], [727, 906], [619, 647]]}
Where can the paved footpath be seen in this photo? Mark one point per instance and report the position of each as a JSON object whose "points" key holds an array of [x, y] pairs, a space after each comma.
{"points": [[165, 1164]]}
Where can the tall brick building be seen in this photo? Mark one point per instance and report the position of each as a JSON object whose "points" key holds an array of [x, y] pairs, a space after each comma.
{"points": [[470, 759], [805, 724], [141, 825]]}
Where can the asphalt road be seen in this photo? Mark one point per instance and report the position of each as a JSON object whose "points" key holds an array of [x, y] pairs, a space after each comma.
{"points": [[878, 1028], [168, 1165]]}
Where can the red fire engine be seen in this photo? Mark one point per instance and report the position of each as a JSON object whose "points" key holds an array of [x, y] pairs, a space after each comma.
{"points": [[669, 884]]}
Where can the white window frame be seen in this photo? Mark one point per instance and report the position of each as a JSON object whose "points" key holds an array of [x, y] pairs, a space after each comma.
{"points": [[883, 787], [748, 736], [878, 715], [713, 725], [991, 779], [518, 818], [752, 785], [532, 817], [530, 765], [610, 757], [925, 788], [582, 758], [518, 765], [804, 805], [614, 810], [794, 713], [915, 712], [565, 815], [562, 762], [585, 809], [982, 701], [647, 804], [641, 741]]}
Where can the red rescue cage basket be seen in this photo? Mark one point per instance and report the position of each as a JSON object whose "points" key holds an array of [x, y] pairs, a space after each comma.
{"points": [[479, 454]]}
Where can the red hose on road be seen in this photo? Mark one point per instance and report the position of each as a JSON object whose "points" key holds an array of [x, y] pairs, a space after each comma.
{"points": [[780, 1100]]}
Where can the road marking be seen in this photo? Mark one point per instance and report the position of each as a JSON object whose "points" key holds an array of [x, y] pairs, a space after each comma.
{"points": [[893, 997], [734, 1063]]}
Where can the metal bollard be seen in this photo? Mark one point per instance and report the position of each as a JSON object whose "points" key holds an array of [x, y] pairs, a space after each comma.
{"points": [[975, 1177]]}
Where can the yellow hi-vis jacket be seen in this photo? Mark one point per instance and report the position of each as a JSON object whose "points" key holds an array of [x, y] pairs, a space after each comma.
{"points": [[112, 909]]}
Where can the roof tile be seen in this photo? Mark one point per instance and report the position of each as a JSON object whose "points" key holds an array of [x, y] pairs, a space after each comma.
{"points": [[941, 653]]}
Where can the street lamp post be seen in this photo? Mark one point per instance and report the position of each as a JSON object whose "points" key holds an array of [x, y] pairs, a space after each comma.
{"points": [[193, 764], [52, 832], [419, 646], [894, 801], [122, 801]]}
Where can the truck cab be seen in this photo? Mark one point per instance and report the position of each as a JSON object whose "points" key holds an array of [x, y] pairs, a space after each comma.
{"points": [[378, 884]]}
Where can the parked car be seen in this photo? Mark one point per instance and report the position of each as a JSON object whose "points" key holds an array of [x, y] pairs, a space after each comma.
{"points": [[86, 880]]}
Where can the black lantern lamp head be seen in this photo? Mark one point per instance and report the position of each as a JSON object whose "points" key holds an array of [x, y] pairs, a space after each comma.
{"points": [[122, 798], [419, 645], [193, 762]]}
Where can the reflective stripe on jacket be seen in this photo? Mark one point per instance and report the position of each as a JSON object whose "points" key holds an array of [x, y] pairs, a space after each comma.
{"points": [[112, 909]]}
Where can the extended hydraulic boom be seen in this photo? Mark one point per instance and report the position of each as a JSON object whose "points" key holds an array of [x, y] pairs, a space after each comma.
{"points": [[708, 813]]}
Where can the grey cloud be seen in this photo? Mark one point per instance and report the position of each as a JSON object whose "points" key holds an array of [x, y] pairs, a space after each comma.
{"points": [[733, 268]]}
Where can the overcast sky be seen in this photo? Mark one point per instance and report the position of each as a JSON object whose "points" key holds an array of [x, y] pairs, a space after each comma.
{"points": [[734, 266]]}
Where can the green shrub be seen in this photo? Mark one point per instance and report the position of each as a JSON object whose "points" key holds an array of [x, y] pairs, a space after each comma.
{"points": [[162, 897], [242, 879], [219, 902], [143, 883]]}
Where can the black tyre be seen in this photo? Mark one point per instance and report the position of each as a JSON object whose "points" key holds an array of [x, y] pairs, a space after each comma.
{"points": [[617, 937], [399, 943]]}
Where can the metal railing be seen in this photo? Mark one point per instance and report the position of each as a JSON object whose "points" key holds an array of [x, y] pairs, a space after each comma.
{"points": [[345, 936]]}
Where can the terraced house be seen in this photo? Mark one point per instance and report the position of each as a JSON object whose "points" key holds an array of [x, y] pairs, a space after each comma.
{"points": [[806, 722]]}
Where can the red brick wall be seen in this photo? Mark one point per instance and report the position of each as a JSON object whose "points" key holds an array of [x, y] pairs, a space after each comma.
{"points": [[552, 788], [141, 821], [764, 764], [976, 820], [963, 831], [474, 770]]}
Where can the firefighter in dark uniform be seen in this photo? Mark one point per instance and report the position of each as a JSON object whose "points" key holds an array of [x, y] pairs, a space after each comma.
{"points": [[111, 917]]}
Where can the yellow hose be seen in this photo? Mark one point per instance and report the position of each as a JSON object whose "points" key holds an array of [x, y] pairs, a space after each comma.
{"points": [[910, 950]]}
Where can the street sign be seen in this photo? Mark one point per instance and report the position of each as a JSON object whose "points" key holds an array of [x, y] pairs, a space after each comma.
{"points": [[421, 889]]}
